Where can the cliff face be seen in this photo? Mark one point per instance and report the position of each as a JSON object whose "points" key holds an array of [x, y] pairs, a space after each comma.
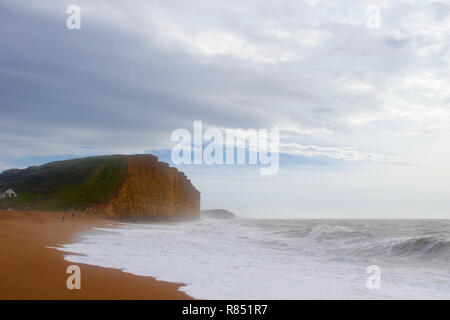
{"points": [[122, 187], [154, 190]]}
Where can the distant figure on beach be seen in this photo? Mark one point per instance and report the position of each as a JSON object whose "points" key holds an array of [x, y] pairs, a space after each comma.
{"points": [[73, 215], [62, 219]]}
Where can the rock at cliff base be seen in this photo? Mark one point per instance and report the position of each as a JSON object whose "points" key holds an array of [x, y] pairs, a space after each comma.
{"points": [[217, 214]]}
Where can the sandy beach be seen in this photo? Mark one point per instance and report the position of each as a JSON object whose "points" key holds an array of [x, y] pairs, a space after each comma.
{"points": [[30, 270]]}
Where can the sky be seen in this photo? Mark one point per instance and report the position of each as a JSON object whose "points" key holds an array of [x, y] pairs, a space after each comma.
{"points": [[363, 113]]}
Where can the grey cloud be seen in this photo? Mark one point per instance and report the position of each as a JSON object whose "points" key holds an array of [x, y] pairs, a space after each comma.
{"points": [[129, 87], [441, 10]]}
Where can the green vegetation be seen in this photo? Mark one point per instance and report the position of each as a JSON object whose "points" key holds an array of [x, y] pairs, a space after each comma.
{"points": [[62, 185]]}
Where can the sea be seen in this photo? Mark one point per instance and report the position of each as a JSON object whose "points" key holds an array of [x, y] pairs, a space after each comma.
{"points": [[280, 259]]}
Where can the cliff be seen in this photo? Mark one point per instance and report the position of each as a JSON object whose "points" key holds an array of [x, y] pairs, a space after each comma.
{"points": [[122, 187], [152, 189]]}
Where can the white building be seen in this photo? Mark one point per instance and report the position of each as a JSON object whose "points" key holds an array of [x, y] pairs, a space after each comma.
{"points": [[10, 193]]}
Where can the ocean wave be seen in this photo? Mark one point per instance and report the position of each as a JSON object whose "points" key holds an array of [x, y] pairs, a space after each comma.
{"points": [[425, 245], [420, 246], [248, 259], [332, 232]]}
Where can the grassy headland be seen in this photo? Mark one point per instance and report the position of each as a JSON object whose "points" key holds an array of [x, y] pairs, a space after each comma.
{"points": [[65, 185]]}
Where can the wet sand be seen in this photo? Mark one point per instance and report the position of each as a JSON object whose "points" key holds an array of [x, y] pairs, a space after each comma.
{"points": [[30, 270]]}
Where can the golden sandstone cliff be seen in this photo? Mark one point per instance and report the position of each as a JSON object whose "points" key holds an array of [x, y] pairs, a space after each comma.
{"points": [[152, 189], [127, 187]]}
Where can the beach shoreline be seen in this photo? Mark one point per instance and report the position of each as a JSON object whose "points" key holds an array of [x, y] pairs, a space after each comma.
{"points": [[31, 268]]}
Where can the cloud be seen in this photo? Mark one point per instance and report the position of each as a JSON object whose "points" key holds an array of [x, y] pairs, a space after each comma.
{"points": [[3, 166], [134, 73], [346, 154]]}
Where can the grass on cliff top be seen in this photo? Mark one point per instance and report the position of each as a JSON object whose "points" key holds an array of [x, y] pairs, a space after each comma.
{"points": [[61, 185]]}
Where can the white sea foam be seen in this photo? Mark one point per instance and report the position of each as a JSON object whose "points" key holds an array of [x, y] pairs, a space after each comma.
{"points": [[278, 259]]}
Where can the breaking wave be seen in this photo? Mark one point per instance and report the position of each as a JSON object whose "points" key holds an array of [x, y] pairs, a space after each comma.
{"points": [[279, 259], [429, 245], [328, 232]]}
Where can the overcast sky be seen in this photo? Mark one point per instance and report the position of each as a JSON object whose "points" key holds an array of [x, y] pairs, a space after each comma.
{"points": [[363, 114]]}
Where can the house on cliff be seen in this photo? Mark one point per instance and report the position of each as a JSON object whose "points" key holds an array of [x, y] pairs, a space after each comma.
{"points": [[10, 193]]}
